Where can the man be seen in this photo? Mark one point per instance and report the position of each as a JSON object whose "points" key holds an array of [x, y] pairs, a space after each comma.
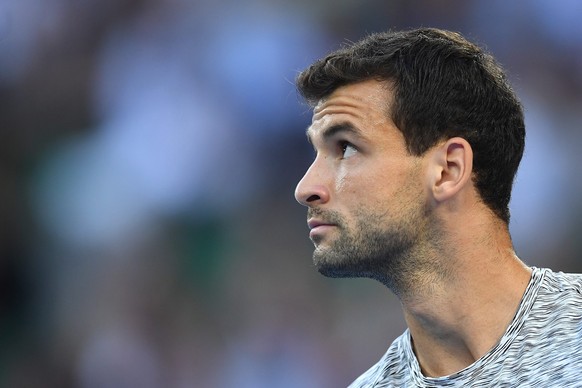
{"points": [[418, 137]]}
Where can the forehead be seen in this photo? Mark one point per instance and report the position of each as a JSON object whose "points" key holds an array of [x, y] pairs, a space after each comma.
{"points": [[365, 105]]}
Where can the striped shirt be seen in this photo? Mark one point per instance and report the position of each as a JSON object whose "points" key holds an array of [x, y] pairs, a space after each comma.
{"points": [[541, 348]]}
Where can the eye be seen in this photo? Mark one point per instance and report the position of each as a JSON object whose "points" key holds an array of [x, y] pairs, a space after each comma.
{"points": [[348, 149]]}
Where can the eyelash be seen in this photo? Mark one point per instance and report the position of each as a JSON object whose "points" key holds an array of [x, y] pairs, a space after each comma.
{"points": [[343, 145]]}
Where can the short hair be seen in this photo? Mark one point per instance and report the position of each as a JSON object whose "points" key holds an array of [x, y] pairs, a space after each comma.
{"points": [[444, 86]]}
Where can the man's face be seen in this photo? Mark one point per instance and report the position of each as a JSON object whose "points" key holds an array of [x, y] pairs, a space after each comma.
{"points": [[364, 192]]}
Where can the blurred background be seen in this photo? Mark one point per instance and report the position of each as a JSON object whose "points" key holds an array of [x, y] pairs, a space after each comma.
{"points": [[149, 151]]}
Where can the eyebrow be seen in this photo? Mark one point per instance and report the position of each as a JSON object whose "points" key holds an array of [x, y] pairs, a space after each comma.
{"points": [[333, 130]]}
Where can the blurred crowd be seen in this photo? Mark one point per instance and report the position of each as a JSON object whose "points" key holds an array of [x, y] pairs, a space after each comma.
{"points": [[149, 153]]}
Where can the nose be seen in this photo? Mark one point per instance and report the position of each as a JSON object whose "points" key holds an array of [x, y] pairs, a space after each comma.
{"points": [[311, 189]]}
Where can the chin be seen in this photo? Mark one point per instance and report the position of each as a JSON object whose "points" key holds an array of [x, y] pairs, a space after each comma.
{"points": [[331, 271], [346, 272], [335, 272], [327, 266], [340, 268]]}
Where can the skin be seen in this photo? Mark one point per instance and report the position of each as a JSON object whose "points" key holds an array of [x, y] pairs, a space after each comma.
{"points": [[415, 223]]}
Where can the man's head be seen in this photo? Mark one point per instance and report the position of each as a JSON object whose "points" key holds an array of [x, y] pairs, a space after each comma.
{"points": [[402, 121], [364, 189], [444, 86]]}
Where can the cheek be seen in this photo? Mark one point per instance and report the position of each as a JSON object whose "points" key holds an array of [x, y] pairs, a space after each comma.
{"points": [[349, 182], [356, 189], [341, 181]]}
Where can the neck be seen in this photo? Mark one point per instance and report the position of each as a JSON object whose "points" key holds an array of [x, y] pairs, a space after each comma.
{"points": [[459, 311]]}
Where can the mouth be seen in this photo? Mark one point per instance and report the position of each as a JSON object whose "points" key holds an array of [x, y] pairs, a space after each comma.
{"points": [[317, 227], [314, 223]]}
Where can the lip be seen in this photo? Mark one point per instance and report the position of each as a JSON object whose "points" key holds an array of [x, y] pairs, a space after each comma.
{"points": [[318, 226], [313, 223]]}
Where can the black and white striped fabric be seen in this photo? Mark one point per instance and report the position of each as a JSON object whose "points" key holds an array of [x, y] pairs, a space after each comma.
{"points": [[541, 348]]}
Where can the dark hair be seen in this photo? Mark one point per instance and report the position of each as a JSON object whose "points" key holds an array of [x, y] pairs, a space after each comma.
{"points": [[444, 86]]}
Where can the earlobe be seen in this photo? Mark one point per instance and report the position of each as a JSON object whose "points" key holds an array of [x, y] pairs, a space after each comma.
{"points": [[451, 168]]}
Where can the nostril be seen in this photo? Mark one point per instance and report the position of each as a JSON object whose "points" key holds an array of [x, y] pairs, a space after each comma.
{"points": [[313, 198]]}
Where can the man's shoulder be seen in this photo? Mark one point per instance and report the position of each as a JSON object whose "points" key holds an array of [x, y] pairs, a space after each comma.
{"points": [[394, 363], [560, 282]]}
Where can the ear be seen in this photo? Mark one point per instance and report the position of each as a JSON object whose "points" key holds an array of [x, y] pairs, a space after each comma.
{"points": [[450, 168]]}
